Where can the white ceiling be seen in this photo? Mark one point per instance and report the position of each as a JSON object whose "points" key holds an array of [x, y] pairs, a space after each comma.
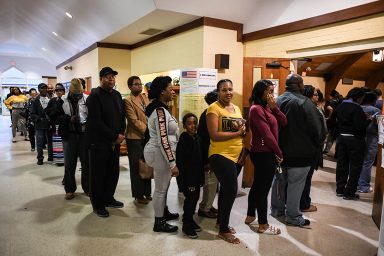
{"points": [[27, 25]]}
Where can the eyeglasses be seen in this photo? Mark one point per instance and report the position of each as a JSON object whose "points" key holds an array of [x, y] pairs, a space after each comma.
{"points": [[137, 84], [315, 94]]}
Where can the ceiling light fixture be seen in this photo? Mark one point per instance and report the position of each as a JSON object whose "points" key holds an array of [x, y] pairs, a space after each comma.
{"points": [[55, 33], [378, 55], [69, 15]]}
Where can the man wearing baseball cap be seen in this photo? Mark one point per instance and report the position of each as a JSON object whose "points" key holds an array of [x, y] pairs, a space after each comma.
{"points": [[42, 124], [105, 129]]}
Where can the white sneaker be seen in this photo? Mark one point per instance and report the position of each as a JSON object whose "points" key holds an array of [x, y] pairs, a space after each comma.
{"points": [[14, 140]]}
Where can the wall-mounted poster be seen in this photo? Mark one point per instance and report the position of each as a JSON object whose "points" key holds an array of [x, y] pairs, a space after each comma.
{"points": [[194, 84]]}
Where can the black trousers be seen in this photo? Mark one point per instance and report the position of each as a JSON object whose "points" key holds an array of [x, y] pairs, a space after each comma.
{"points": [[74, 147], [139, 186], [31, 135], [265, 167], [350, 157], [190, 202], [226, 172], [104, 175]]}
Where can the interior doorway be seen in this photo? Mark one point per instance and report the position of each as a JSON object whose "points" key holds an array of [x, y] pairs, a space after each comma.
{"points": [[88, 83]]}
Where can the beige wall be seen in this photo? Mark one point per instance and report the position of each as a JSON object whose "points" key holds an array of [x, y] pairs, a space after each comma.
{"points": [[317, 82], [119, 60], [224, 41], [381, 87], [180, 51], [352, 35], [85, 66], [343, 89]]}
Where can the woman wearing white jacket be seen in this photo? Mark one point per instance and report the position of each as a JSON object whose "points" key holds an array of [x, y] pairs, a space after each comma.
{"points": [[160, 150]]}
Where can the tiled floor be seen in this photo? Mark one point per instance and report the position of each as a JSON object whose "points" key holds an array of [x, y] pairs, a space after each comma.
{"points": [[36, 220]]}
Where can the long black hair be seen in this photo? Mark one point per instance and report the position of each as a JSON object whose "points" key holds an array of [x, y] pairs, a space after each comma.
{"points": [[258, 91]]}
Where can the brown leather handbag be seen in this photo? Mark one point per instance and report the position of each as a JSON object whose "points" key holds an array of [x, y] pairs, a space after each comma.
{"points": [[145, 171]]}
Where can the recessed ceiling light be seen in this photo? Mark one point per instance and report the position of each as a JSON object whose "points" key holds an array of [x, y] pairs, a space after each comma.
{"points": [[68, 14], [42, 48], [55, 33]]}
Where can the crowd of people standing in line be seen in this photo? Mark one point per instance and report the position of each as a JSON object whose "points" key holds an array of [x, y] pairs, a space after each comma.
{"points": [[287, 144]]}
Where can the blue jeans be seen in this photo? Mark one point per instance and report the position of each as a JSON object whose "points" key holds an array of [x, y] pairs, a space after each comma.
{"points": [[288, 202], [369, 158], [40, 134]]}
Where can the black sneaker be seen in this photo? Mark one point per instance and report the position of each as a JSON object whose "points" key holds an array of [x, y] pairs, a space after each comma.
{"points": [[165, 227], [339, 194], [195, 227], [32, 149], [306, 223], [351, 197], [190, 232], [39, 162], [103, 213], [115, 204]]}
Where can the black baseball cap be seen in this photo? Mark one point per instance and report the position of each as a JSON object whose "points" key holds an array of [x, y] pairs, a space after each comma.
{"points": [[59, 86], [107, 70], [41, 85]]}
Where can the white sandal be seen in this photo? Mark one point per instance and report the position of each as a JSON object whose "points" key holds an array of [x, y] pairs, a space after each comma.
{"points": [[271, 230]]}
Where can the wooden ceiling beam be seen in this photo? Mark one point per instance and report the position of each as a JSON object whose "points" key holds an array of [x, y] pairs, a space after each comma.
{"points": [[375, 78], [333, 77]]}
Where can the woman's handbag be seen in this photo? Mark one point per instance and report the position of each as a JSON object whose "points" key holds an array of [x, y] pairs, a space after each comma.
{"points": [[145, 171]]}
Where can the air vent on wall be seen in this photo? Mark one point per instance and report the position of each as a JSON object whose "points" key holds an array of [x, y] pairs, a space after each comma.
{"points": [[151, 31]]}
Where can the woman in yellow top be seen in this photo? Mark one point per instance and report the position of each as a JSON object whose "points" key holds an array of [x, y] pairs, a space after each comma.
{"points": [[17, 104], [226, 129]]}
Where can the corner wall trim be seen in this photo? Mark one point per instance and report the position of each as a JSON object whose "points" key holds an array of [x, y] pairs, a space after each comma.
{"points": [[325, 19]]}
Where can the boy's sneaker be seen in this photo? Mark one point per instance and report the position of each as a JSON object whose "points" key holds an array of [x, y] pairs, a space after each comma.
{"points": [[195, 227], [351, 197], [115, 204], [103, 213], [190, 232]]}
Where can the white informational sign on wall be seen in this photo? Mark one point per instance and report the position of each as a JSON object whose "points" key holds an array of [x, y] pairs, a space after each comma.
{"points": [[195, 83], [275, 87]]}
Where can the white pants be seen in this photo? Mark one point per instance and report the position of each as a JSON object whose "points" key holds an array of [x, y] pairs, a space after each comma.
{"points": [[162, 176]]}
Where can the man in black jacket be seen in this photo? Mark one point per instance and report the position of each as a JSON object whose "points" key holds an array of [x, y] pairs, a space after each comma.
{"points": [[104, 132], [42, 123], [299, 141]]}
